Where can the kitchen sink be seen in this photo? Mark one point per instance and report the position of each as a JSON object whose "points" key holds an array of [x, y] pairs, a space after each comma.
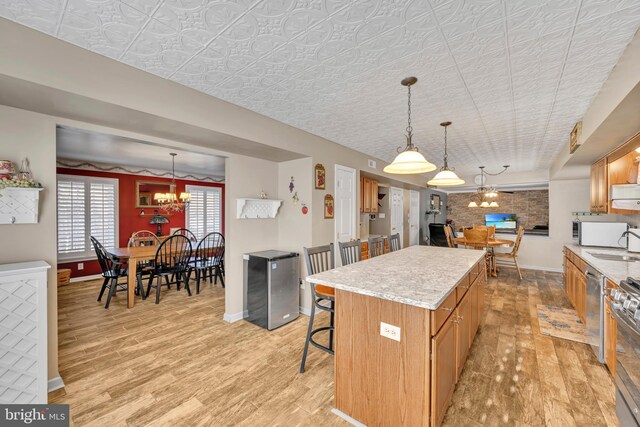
{"points": [[615, 257]]}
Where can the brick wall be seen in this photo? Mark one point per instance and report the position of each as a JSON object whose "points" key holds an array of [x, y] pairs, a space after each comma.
{"points": [[531, 207]]}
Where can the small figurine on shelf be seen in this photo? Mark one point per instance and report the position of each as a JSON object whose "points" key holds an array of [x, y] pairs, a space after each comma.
{"points": [[25, 170], [262, 195]]}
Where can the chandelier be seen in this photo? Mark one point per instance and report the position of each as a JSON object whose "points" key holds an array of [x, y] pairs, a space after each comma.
{"points": [[446, 176], [170, 202], [409, 160], [485, 194]]}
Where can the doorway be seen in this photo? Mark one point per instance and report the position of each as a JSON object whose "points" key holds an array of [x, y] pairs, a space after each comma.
{"points": [[397, 214], [345, 206], [414, 217]]}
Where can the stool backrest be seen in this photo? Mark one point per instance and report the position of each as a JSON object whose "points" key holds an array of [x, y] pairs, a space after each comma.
{"points": [[376, 246], [350, 252], [394, 242], [319, 259]]}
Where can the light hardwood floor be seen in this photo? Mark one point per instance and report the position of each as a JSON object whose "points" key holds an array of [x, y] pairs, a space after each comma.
{"points": [[179, 363]]}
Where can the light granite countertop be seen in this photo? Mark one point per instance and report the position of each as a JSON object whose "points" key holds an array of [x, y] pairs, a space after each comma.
{"points": [[422, 276], [613, 270]]}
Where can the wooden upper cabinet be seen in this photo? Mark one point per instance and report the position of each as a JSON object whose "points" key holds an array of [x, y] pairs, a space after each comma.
{"points": [[599, 187], [368, 195], [366, 199], [374, 196]]}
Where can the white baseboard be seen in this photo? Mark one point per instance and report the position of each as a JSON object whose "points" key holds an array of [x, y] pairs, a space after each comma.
{"points": [[84, 278], [232, 318], [55, 383], [533, 267], [347, 418]]}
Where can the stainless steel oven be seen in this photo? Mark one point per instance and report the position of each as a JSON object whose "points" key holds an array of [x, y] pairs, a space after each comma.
{"points": [[625, 309]]}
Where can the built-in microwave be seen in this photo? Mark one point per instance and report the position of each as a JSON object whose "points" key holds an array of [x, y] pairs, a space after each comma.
{"points": [[601, 233]]}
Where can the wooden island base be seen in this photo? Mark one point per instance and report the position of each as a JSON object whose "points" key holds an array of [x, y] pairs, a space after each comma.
{"points": [[383, 382]]}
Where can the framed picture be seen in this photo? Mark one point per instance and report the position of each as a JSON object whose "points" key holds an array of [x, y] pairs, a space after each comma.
{"points": [[575, 137], [320, 177], [328, 206], [435, 202]]}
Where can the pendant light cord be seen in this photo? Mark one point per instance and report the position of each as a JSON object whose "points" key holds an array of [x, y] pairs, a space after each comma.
{"points": [[446, 164], [409, 128]]}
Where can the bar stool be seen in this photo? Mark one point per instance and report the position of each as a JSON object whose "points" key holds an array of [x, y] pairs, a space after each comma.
{"points": [[376, 246], [319, 259], [350, 252], [394, 242]]}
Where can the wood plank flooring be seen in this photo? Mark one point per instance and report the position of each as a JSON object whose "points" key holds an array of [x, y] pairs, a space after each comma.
{"points": [[178, 363]]}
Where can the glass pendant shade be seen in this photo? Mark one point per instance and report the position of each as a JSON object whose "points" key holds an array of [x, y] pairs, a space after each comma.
{"points": [[409, 162], [472, 205], [494, 205], [446, 177], [484, 204]]}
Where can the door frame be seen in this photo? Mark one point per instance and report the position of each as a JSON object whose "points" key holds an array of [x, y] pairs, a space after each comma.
{"points": [[411, 194], [353, 208]]}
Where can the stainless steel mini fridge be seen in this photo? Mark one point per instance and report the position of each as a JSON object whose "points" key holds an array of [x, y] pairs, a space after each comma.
{"points": [[272, 284]]}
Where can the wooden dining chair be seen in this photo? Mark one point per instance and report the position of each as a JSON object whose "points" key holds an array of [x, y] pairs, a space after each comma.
{"points": [[512, 257], [447, 232], [350, 252], [143, 238], [172, 258], [319, 259], [208, 259], [491, 229], [376, 246], [186, 233], [394, 242], [112, 271], [477, 238]]}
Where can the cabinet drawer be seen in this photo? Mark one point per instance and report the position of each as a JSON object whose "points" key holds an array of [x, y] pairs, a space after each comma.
{"points": [[463, 287], [440, 316]]}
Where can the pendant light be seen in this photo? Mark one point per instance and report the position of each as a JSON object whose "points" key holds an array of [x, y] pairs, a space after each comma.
{"points": [[446, 176], [170, 202], [409, 160]]}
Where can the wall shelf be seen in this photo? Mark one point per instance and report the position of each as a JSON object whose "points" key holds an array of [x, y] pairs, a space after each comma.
{"points": [[152, 215], [19, 205], [257, 208]]}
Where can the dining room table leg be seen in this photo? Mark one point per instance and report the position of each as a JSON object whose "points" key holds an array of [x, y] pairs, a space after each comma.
{"points": [[131, 282]]}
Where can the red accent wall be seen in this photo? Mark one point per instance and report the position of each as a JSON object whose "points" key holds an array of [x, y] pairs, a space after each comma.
{"points": [[129, 216]]}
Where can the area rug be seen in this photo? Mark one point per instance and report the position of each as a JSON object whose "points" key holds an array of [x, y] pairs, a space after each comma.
{"points": [[561, 323]]}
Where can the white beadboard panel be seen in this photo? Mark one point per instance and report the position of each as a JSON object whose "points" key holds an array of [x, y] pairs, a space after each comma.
{"points": [[513, 75]]}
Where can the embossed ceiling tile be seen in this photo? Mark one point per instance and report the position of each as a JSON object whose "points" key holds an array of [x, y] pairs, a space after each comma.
{"points": [[40, 15], [534, 23], [145, 6], [106, 28], [161, 48], [592, 9], [478, 43], [462, 16], [355, 11]]}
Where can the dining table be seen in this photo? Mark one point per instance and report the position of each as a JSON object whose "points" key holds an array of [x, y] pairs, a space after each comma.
{"points": [[133, 256], [492, 243]]}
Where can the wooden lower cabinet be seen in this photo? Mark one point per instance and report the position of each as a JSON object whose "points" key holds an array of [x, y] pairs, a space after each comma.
{"points": [[575, 283], [463, 333], [610, 342], [443, 369]]}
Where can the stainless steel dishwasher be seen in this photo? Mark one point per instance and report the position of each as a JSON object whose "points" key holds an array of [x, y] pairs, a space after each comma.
{"points": [[594, 329]]}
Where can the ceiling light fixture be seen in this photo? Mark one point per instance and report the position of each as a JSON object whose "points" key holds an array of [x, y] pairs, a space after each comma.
{"points": [[446, 176], [409, 160], [483, 192], [170, 202]]}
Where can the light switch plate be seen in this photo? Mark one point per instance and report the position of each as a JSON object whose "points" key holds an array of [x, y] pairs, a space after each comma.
{"points": [[372, 164], [81, 266], [382, 215], [390, 331]]}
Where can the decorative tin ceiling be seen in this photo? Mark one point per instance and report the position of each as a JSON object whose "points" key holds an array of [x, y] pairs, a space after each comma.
{"points": [[513, 76]]}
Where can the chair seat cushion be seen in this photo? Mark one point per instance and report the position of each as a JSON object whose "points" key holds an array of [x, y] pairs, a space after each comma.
{"points": [[325, 290]]}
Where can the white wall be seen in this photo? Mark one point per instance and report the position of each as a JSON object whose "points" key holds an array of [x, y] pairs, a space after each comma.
{"points": [[25, 134]]}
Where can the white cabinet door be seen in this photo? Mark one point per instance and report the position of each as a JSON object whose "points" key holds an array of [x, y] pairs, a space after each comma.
{"points": [[397, 215], [414, 217]]}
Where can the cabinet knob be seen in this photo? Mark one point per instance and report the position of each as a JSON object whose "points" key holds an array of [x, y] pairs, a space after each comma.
{"points": [[447, 309]]}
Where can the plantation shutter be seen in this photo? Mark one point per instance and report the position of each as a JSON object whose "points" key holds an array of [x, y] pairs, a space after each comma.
{"points": [[204, 214], [71, 217], [87, 206]]}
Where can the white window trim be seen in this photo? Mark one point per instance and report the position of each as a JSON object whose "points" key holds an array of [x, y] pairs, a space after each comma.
{"points": [[89, 253], [191, 188]]}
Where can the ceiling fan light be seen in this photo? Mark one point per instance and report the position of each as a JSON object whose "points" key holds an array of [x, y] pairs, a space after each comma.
{"points": [[409, 162], [472, 205], [494, 205], [484, 204], [445, 177]]}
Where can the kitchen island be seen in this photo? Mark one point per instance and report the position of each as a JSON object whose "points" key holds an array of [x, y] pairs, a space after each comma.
{"points": [[404, 324]]}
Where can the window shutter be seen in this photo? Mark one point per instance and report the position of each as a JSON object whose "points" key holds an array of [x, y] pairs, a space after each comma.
{"points": [[214, 211], [103, 213], [71, 217], [204, 214], [195, 214]]}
